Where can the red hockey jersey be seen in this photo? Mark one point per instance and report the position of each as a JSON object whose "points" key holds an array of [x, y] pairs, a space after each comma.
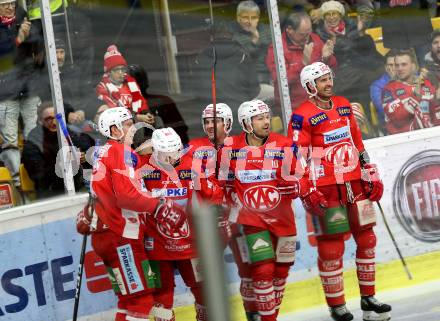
{"points": [[204, 155], [331, 137], [120, 203], [176, 183], [406, 111], [254, 173]]}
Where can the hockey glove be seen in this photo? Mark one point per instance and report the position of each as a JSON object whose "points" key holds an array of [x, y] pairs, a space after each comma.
{"points": [[85, 224], [170, 215], [314, 201], [371, 182], [288, 189]]}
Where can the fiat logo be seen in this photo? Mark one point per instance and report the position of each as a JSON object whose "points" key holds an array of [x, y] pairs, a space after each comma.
{"points": [[416, 196]]}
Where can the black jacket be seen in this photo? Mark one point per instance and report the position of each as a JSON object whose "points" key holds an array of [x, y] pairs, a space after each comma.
{"points": [[236, 77]]}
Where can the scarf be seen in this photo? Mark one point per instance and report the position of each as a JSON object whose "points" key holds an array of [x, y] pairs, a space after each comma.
{"points": [[113, 98], [339, 29], [400, 3], [7, 21]]}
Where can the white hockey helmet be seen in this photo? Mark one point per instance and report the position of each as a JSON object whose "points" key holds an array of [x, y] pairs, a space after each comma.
{"points": [[249, 109], [113, 117], [166, 140], [312, 72], [222, 111]]}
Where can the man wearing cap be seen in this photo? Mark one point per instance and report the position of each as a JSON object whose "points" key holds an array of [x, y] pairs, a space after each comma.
{"points": [[118, 89], [301, 47]]}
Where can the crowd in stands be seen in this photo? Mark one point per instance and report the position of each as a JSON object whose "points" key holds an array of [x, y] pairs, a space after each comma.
{"points": [[394, 93]]}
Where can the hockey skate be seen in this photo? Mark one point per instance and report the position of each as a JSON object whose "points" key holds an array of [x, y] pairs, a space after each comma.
{"points": [[340, 313], [373, 310]]}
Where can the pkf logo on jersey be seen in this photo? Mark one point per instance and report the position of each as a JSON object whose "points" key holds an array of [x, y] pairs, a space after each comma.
{"points": [[169, 192], [261, 198], [126, 259], [256, 175], [337, 135], [416, 196]]}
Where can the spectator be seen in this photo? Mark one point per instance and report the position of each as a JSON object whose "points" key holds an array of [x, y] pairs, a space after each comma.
{"points": [[40, 154], [377, 86], [118, 89], [162, 108], [17, 66], [71, 85], [301, 47], [236, 79], [409, 101], [432, 59], [405, 24], [254, 37], [358, 61]]}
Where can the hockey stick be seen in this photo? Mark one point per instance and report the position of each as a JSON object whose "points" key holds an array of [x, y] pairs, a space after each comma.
{"points": [[402, 259], [66, 134], [363, 160], [213, 82]]}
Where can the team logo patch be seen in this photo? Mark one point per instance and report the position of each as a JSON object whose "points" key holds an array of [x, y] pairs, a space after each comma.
{"points": [[203, 153], [149, 243], [126, 259], [262, 198], [169, 192], [387, 96], [151, 175], [317, 119], [237, 154], [400, 92], [337, 135], [256, 175], [185, 174], [130, 159], [344, 111], [297, 121], [274, 153]]}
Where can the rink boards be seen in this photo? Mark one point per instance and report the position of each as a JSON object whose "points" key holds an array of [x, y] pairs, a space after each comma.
{"points": [[39, 247]]}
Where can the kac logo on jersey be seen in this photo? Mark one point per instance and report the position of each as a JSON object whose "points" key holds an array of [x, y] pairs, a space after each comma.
{"points": [[317, 119], [344, 111], [337, 135], [169, 192], [151, 175], [261, 198], [126, 258], [256, 175], [297, 121]]}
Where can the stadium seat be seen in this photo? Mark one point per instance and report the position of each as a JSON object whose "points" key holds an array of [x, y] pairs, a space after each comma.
{"points": [[27, 185], [8, 192]]}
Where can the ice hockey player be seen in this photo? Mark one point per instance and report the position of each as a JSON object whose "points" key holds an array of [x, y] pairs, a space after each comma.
{"points": [[252, 164], [203, 148], [205, 156], [121, 206], [341, 186], [168, 173]]}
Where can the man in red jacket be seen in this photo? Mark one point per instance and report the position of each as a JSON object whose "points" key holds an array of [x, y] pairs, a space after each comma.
{"points": [[121, 203], [301, 47], [118, 89], [409, 102]]}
